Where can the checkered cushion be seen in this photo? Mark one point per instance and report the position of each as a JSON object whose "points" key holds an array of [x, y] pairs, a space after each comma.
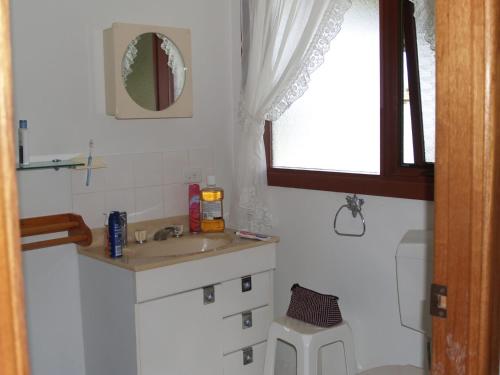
{"points": [[312, 307]]}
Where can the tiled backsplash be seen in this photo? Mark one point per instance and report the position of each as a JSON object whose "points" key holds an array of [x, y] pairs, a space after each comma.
{"points": [[146, 185]]}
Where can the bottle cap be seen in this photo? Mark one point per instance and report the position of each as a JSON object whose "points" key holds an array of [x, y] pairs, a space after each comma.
{"points": [[211, 180], [23, 124]]}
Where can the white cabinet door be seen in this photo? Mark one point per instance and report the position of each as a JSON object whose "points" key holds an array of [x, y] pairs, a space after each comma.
{"points": [[179, 335]]}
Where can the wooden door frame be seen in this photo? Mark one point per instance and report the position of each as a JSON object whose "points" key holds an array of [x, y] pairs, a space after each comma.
{"points": [[13, 345], [467, 187]]}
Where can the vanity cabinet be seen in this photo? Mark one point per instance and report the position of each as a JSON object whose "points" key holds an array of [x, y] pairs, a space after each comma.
{"points": [[208, 316]]}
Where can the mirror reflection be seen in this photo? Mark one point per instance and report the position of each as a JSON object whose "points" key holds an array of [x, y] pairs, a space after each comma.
{"points": [[153, 71]]}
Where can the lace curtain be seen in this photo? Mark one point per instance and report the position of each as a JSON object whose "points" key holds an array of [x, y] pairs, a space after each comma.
{"points": [[425, 19], [284, 42], [175, 62], [129, 58], [424, 14]]}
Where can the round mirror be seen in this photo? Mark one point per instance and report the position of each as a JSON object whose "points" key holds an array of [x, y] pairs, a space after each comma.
{"points": [[153, 71]]}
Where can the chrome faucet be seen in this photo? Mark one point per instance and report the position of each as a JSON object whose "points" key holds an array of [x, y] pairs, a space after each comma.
{"points": [[162, 234]]}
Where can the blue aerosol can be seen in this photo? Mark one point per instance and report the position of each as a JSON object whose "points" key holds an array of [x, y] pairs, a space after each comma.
{"points": [[115, 234]]}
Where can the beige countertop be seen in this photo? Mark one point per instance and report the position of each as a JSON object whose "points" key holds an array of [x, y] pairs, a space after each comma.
{"points": [[149, 255]]}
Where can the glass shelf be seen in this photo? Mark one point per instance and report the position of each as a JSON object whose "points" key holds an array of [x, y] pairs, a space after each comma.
{"points": [[56, 164]]}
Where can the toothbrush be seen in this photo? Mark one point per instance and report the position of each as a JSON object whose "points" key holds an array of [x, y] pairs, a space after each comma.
{"points": [[89, 162]]}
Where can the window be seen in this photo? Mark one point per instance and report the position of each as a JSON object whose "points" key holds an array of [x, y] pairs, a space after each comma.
{"points": [[419, 90], [360, 126]]}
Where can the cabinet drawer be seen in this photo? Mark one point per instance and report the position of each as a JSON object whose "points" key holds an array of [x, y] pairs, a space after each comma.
{"points": [[235, 363], [165, 281], [238, 296], [246, 328]]}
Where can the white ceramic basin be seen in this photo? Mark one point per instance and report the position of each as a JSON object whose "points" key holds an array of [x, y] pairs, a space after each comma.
{"points": [[186, 245]]}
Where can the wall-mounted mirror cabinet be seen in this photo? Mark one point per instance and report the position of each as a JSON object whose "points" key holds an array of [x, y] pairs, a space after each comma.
{"points": [[147, 71]]}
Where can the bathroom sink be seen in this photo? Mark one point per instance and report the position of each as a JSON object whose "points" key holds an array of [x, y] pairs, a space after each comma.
{"points": [[186, 245]]}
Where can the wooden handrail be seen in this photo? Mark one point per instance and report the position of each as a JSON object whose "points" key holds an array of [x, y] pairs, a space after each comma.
{"points": [[78, 232], [49, 228]]}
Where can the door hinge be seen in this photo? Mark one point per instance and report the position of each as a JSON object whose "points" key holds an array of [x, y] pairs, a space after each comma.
{"points": [[439, 305]]}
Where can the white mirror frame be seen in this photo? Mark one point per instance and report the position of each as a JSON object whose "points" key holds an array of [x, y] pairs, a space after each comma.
{"points": [[118, 101]]}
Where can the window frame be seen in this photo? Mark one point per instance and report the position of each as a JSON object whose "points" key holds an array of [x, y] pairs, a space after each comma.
{"points": [[395, 179]]}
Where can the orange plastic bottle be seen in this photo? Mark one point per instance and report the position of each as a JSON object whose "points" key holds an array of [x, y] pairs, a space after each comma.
{"points": [[212, 217]]}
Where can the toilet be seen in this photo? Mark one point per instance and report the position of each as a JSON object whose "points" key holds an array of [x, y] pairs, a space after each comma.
{"points": [[413, 274]]}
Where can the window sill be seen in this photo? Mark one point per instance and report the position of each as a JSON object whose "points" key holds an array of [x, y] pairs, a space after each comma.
{"points": [[400, 186]]}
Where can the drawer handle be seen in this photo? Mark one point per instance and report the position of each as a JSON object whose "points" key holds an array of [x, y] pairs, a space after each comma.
{"points": [[246, 284], [247, 356], [208, 295], [246, 320]]}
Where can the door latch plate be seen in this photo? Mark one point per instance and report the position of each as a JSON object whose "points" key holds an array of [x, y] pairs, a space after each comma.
{"points": [[439, 294]]}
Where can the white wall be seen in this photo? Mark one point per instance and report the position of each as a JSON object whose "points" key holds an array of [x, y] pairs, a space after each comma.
{"points": [[361, 271], [51, 282], [59, 89]]}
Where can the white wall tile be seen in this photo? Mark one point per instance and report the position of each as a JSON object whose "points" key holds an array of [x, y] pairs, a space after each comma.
{"points": [[148, 169], [148, 204], [97, 181], [91, 207], [120, 200], [175, 197], [119, 172], [202, 158], [174, 163]]}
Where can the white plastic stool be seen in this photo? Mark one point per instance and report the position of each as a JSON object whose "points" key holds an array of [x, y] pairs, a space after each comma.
{"points": [[307, 340]]}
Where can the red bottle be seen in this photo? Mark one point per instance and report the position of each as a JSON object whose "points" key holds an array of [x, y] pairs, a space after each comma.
{"points": [[194, 208]]}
